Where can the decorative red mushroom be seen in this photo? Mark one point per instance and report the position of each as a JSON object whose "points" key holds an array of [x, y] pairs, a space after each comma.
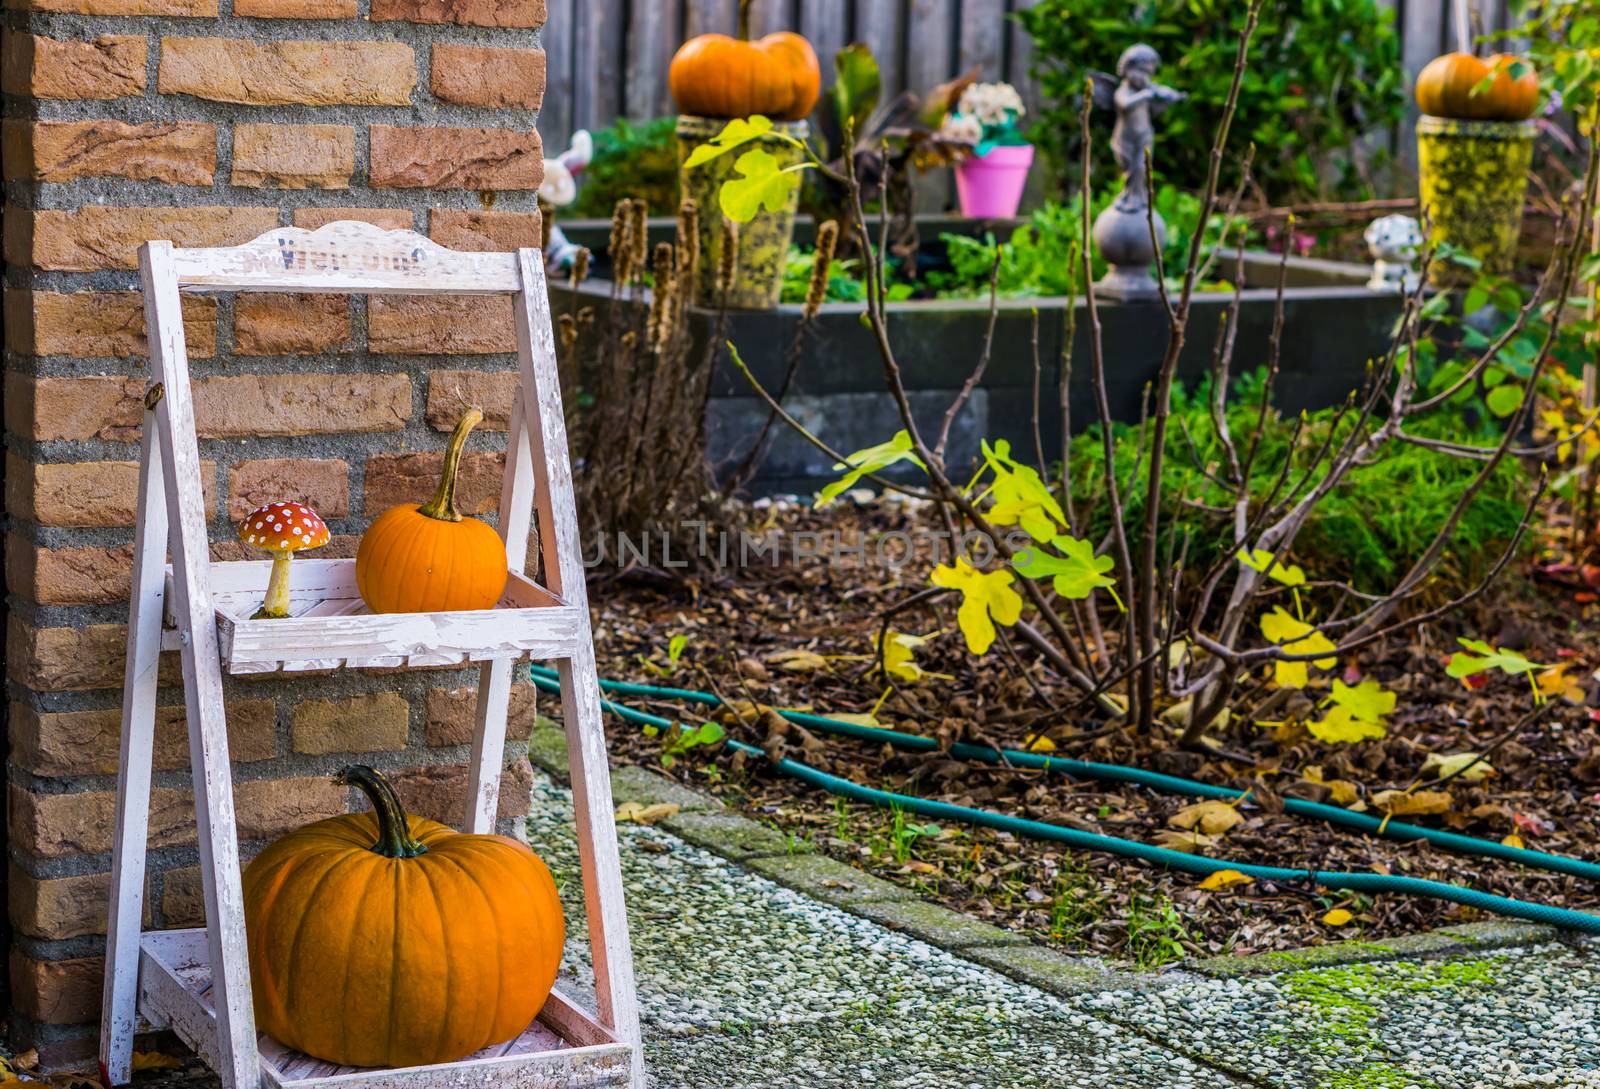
{"points": [[281, 529]]}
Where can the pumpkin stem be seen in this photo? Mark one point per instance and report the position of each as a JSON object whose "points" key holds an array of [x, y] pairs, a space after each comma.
{"points": [[394, 828], [443, 504], [744, 19]]}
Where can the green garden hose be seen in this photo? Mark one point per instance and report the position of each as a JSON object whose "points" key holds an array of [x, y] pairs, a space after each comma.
{"points": [[1092, 841]]}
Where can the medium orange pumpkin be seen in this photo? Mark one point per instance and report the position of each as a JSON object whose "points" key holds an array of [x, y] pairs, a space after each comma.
{"points": [[1444, 88], [378, 939], [714, 75], [428, 558]]}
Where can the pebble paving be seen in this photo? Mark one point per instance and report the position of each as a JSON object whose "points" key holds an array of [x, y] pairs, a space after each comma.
{"points": [[747, 984]]}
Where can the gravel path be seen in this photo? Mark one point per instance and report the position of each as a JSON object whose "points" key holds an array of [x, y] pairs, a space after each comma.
{"points": [[747, 984]]}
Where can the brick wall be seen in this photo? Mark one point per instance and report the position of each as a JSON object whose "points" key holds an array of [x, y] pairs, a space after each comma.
{"points": [[183, 119]]}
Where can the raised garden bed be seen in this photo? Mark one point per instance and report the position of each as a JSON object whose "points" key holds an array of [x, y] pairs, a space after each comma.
{"points": [[1332, 325]]}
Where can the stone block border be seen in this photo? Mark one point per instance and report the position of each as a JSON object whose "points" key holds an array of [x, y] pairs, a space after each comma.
{"points": [[706, 822]]}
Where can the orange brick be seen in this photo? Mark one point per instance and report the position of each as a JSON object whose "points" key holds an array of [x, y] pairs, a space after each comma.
{"points": [[68, 576], [499, 79], [487, 232], [508, 13], [296, 9], [103, 407], [84, 493], [293, 156], [439, 793], [440, 324], [66, 659], [491, 391], [273, 324], [96, 236], [452, 714], [56, 992], [278, 73], [390, 219], [183, 898], [54, 908], [417, 157], [62, 743], [323, 485], [110, 66], [392, 479], [301, 404], [175, 152], [377, 722], [90, 324]]}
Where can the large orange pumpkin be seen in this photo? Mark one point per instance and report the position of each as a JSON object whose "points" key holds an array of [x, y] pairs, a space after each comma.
{"points": [[428, 558], [378, 939], [1444, 88], [714, 75]]}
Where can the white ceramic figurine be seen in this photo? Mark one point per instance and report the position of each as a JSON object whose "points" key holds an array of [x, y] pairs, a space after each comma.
{"points": [[1394, 242]]}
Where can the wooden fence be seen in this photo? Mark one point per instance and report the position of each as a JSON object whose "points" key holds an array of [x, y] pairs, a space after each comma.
{"points": [[608, 58]]}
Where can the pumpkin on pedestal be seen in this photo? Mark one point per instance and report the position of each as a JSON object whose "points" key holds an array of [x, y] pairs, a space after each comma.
{"points": [[381, 940], [425, 558], [1445, 88], [778, 76]]}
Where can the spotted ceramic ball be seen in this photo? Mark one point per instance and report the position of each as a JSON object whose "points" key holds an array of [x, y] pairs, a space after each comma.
{"points": [[283, 527]]}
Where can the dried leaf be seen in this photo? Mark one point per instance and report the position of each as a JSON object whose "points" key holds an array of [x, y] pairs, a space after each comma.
{"points": [[1422, 803], [1223, 879], [633, 812], [1337, 917], [155, 1060], [798, 661], [1189, 842], [1511, 839], [1210, 817], [1440, 766]]}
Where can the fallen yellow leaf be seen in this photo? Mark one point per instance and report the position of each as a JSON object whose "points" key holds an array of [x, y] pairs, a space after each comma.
{"points": [[1188, 842], [155, 1060], [1441, 766], [645, 814], [798, 661], [1337, 917], [1513, 840], [1223, 879], [1423, 803], [1211, 817], [1039, 743]]}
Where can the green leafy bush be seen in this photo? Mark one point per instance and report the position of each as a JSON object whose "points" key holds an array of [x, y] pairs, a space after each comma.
{"points": [[1359, 533], [1321, 74], [1043, 256], [630, 160]]}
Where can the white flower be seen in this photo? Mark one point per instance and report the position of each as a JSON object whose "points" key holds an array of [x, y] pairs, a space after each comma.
{"points": [[961, 129], [991, 103]]}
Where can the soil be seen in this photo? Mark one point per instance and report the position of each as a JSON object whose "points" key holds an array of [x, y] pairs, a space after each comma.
{"points": [[742, 632]]}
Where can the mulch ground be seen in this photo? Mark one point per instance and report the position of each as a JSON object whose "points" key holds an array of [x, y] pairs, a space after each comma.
{"points": [[741, 634]]}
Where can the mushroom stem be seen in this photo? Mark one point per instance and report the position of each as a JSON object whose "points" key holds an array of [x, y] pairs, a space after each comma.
{"points": [[276, 606]]}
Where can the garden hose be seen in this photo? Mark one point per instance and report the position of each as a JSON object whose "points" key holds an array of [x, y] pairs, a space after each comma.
{"points": [[1167, 784], [1094, 841]]}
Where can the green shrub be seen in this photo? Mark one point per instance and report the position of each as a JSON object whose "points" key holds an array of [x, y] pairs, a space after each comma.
{"points": [[1321, 74], [630, 160], [1369, 531]]}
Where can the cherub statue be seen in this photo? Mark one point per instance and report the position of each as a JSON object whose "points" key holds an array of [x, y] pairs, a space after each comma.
{"points": [[1137, 100]]}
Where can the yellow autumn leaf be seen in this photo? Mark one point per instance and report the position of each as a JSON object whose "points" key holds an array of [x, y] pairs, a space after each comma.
{"points": [[899, 656], [1513, 840], [1440, 766], [1556, 682], [1188, 842], [1039, 743], [635, 813], [1337, 917], [1224, 879], [1210, 817], [986, 598], [155, 1060], [1339, 726], [798, 661], [1417, 803], [1259, 558], [1295, 637]]}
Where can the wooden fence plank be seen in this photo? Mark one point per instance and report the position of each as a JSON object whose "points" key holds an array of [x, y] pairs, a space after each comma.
{"points": [[826, 25], [652, 39], [598, 58], [769, 16], [983, 36], [555, 112], [710, 17], [881, 24]]}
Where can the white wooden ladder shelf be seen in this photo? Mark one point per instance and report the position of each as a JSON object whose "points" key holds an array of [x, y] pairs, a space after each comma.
{"points": [[197, 982]]}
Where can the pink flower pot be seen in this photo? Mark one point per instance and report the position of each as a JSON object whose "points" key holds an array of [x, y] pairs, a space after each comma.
{"points": [[990, 186]]}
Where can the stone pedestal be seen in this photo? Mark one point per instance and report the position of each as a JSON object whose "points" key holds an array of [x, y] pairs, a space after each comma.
{"points": [[1123, 238]]}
